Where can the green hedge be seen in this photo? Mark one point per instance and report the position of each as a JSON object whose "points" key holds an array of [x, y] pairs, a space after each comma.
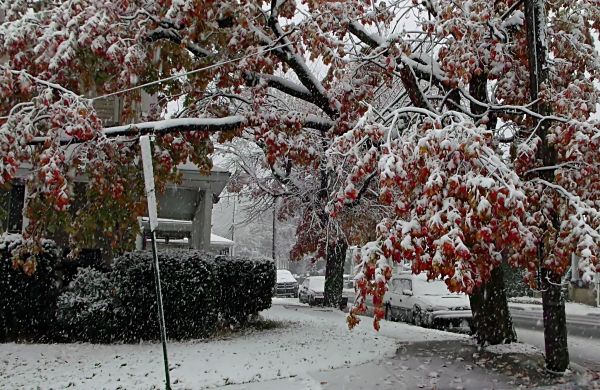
{"points": [[200, 293], [190, 293], [27, 302], [254, 281], [86, 311]]}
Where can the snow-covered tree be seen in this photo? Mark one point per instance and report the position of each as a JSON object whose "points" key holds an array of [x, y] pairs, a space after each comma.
{"points": [[464, 202], [226, 58]]}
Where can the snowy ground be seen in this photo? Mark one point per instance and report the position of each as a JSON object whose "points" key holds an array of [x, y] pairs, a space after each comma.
{"points": [[312, 340], [313, 349]]}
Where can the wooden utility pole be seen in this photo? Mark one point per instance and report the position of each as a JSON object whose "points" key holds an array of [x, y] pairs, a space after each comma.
{"points": [[555, 322]]}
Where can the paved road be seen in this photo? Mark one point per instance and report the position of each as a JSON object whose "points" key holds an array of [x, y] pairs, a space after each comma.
{"points": [[583, 351], [587, 326], [583, 335]]}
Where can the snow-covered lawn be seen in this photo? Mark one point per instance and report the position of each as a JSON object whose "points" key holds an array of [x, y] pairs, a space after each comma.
{"points": [[311, 339], [571, 308]]}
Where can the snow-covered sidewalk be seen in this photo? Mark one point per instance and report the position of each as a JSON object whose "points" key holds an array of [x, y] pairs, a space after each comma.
{"points": [[311, 340]]}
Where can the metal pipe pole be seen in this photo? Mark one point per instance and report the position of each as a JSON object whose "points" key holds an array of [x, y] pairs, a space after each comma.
{"points": [[153, 220], [161, 313], [233, 227]]}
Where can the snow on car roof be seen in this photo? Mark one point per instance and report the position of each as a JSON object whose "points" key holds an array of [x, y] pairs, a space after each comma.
{"points": [[317, 283], [410, 275], [283, 275]]}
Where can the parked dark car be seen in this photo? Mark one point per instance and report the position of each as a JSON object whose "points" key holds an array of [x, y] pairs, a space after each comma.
{"points": [[286, 286]]}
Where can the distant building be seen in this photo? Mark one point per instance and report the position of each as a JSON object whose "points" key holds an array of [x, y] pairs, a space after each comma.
{"points": [[173, 233], [578, 290]]}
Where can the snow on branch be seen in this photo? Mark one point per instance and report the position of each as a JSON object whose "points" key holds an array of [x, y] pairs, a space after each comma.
{"points": [[25, 75], [284, 85], [170, 35], [580, 207], [298, 65], [211, 125], [406, 71], [163, 127]]}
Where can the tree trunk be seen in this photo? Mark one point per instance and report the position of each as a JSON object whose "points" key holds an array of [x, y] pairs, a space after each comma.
{"points": [[555, 322], [492, 323], [334, 273], [555, 325]]}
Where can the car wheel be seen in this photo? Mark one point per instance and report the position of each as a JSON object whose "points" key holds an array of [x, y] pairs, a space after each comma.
{"points": [[311, 301], [394, 314], [472, 329], [417, 316]]}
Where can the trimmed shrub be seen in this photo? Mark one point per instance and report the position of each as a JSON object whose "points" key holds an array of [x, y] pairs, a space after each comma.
{"points": [[190, 293], [264, 279], [246, 287], [86, 311], [69, 266], [27, 302], [199, 294]]}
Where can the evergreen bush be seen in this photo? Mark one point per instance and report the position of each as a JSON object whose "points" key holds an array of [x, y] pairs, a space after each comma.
{"points": [[27, 295], [190, 293], [87, 310], [200, 293], [253, 281]]}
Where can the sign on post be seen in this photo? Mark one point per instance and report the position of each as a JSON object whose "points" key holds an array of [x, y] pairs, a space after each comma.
{"points": [[149, 181]]}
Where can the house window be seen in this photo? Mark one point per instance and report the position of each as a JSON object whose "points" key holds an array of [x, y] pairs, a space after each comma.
{"points": [[11, 209]]}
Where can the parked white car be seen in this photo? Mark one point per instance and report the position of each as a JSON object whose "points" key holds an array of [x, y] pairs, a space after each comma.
{"points": [[411, 298], [312, 290]]}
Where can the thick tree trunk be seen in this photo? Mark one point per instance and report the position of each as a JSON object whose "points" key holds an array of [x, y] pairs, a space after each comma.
{"points": [[492, 323], [555, 322], [555, 325], [334, 274]]}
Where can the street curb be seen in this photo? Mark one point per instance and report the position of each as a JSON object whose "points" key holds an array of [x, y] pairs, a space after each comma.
{"points": [[577, 373], [577, 368]]}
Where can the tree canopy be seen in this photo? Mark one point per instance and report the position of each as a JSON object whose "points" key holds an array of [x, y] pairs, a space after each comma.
{"points": [[421, 109]]}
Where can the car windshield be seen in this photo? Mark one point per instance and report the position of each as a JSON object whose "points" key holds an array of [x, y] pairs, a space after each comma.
{"points": [[317, 283], [433, 287]]}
